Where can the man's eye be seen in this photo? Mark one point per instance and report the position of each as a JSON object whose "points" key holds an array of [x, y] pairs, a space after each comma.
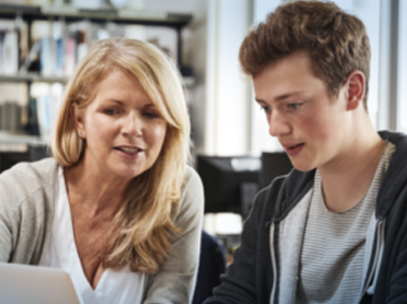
{"points": [[265, 109], [294, 106]]}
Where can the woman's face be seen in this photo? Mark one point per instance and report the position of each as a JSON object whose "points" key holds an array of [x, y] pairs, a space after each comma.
{"points": [[124, 131]]}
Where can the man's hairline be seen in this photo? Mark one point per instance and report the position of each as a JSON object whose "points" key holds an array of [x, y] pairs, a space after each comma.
{"points": [[332, 97]]}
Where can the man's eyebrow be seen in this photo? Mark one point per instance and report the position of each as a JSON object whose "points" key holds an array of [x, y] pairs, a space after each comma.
{"points": [[262, 102], [285, 96], [281, 97]]}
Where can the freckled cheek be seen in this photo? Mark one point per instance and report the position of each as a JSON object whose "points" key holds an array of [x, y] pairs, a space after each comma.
{"points": [[314, 128]]}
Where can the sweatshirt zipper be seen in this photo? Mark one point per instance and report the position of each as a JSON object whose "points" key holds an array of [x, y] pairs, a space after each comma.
{"points": [[373, 269], [273, 264]]}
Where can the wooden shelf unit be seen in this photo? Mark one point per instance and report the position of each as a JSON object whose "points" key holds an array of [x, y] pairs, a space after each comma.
{"points": [[30, 13]]}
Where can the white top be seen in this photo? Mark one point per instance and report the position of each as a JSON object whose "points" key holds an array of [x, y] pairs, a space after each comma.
{"points": [[119, 287]]}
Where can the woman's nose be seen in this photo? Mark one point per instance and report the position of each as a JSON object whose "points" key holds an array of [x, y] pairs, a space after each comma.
{"points": [[132, 125]]}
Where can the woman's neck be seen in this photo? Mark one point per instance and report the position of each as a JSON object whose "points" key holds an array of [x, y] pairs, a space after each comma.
{"points": [[95, 193]]}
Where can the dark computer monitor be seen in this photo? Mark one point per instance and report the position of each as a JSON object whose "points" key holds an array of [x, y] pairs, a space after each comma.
{"points": [[34, 153], [230, 183], [273, 164]]}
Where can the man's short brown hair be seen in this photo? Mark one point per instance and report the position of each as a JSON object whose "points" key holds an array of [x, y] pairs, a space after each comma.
{"points": [[336, 42]]}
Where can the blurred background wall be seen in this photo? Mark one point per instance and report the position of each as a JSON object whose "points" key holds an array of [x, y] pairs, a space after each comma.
{"points": [[41, 41], [225, 119]]}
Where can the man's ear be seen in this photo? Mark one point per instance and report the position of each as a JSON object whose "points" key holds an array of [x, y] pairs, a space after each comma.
{"points": [[80, 128], [355, 89]]}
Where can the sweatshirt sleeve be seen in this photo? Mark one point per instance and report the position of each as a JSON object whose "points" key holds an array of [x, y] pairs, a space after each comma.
{"points": [[26, 211], [239, 283], [175, 282], [5, 228], [397, 282]]}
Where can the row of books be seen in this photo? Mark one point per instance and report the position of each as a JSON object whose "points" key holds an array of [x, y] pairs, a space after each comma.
{"points": [[54, 50], [56, 47], [37, 115], [62, 46]]}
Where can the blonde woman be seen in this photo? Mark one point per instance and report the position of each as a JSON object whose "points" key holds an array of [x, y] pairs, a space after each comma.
{"points": [[117, 206]]}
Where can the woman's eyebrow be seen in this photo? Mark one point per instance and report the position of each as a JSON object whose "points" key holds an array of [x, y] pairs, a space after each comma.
{"points": [[114, 100]]}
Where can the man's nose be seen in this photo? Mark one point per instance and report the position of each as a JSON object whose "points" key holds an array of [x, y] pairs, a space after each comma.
{"points": [[278, 125]]}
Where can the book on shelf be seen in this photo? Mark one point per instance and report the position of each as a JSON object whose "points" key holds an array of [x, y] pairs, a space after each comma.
{"points": [[45, 99], [13, 45], [34, 113], [9, 53], [60, 56], [1, 51], [59, 48], [13, 102], [10, 120], [48, 56], [70, 55], [32, 127]]}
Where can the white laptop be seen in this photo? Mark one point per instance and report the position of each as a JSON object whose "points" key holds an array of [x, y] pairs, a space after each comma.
{"points": [[23, 284]]}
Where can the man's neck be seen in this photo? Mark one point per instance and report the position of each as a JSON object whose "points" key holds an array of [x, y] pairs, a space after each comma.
{"points": [[346, 182]]}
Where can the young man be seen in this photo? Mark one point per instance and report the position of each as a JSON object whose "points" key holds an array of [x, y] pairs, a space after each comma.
{"points": [[334, 230]]}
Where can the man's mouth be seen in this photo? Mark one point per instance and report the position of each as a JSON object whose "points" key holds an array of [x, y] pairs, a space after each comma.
{"points": [[293, 146], [293, 149]]}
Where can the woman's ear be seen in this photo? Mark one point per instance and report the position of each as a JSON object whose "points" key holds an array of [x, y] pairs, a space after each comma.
{"points": [[355, 89], [80, 128]]}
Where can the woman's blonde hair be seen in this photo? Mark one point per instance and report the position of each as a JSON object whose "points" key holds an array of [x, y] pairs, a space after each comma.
{"points": [[144, 222]]}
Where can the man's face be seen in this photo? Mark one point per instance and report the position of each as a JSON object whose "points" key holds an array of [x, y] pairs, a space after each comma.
{"points": [[310, 125]]}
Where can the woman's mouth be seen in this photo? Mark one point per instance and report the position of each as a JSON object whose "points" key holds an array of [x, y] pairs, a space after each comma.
{"points": [[128, 150]]}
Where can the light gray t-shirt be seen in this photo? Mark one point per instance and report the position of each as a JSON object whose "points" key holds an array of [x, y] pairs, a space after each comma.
{"points": [[332, 256]]}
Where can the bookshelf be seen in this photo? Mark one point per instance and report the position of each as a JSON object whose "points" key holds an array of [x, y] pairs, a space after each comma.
{"points": [[123, 16], [32, 77], [19, 142], [75, 14], [29, 14]]}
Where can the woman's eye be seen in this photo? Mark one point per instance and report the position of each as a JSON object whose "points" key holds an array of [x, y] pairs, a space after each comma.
{"points": [[151, 115], [110, 111]]}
